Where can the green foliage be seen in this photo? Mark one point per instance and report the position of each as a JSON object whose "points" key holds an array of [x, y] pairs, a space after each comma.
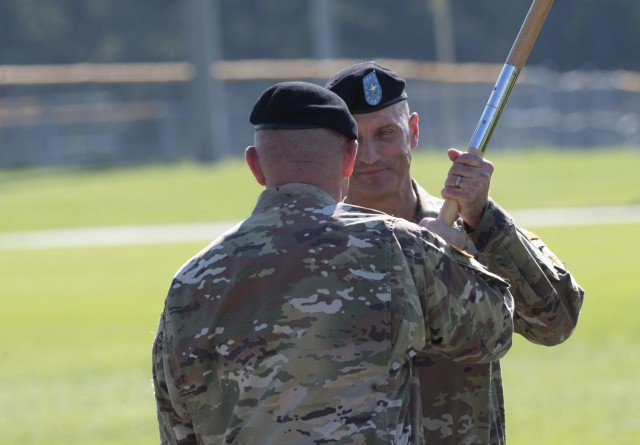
{"points": [[72, 31]]}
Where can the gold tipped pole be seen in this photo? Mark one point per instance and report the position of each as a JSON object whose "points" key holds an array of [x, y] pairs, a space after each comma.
{"points": [[497, 100]]}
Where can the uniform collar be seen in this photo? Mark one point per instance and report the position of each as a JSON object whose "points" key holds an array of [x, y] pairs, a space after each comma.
{"points": [[427, 206], [293, 191]]}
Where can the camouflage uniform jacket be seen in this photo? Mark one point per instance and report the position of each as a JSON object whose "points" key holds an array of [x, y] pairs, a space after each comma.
{"points": [[298, 326], [464, 404]]}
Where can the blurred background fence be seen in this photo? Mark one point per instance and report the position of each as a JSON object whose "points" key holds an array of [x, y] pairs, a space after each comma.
{"points": [[119, 114]]}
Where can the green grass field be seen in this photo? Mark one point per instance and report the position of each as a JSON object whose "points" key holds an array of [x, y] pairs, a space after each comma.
{"points": [[76, 324]]}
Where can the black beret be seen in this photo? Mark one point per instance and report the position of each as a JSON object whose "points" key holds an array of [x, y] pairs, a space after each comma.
{"points": [[296, 105], [368, 87]]}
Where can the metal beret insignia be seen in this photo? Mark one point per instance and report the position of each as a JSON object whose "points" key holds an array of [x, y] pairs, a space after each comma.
{"points": [[372, 89]]}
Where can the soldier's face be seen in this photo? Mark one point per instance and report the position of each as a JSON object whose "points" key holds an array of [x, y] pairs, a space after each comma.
{"points": [[386, 139]]}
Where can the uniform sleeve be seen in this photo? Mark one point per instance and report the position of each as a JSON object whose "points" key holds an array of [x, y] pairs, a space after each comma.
{"points": [[547, 298], [467, 310], [173, 428]]}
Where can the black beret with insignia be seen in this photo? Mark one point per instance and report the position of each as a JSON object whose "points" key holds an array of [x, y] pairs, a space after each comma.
{"points": [[368, 87], [297, 105]]}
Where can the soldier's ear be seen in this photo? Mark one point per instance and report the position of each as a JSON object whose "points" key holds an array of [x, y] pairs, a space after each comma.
{"points": [[350, 151], [414, 129], [253, 161]]}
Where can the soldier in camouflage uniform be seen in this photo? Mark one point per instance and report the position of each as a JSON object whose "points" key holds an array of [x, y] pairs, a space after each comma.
{"points": [[462, 403], [298, 326]]}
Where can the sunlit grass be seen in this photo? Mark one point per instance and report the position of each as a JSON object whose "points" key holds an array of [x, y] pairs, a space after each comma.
{"points": [[584, 391], [76, 325], [41, 199]]}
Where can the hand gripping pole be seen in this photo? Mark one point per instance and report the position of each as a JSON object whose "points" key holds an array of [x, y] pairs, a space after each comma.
{"points": [[497, 100]]}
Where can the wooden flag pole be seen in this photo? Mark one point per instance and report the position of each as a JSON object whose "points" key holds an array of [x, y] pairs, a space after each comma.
{"points": [[497, 100]]}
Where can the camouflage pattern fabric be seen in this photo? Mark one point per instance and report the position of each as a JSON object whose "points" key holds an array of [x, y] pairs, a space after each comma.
{"points": [[464, 403], [298, 326]]}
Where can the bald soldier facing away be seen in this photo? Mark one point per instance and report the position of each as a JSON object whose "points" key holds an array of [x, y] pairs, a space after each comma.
{"points": [[299, 325], [463, 403]]}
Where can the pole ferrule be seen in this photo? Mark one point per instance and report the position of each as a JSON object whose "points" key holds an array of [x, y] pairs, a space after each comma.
{"points": [[493, 109]]}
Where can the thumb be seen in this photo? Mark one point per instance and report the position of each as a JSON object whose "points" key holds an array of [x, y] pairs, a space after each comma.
{"points": [[424, 222], [451, 235], [434, 225], [453, 154]]}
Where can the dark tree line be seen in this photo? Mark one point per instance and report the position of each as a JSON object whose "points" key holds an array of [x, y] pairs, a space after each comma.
{"points": [[602, 34]]}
